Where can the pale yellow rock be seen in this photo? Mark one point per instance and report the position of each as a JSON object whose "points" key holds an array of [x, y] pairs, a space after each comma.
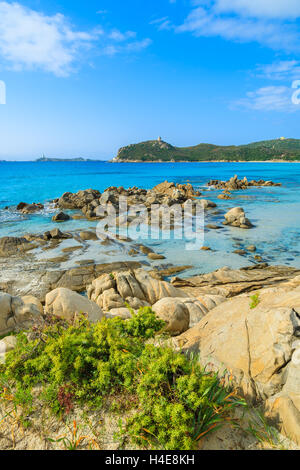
{"points": [[68, 305], [175, 313], [110, 299], [18, 313], [259, 347], [155, 289]]}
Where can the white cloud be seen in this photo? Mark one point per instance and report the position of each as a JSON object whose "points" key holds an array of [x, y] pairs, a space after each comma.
{"points": [[260, 8], [116, 35], [162, 23], [245, 21], [133, 46], [281, 70], [31, 40], [270, 98]]}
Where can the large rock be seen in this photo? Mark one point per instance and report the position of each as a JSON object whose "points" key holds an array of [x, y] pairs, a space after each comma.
{"points": [[196, 307], [236, 218], [258, 346], [18, 313], [175, 313], [66, 304]]}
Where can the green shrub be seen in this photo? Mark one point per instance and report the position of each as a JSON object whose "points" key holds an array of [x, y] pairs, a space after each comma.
{"points": [[175, 402], [255, 300]]}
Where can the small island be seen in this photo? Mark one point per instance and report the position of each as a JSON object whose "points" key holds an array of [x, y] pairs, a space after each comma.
{"points": [[48, 159]]}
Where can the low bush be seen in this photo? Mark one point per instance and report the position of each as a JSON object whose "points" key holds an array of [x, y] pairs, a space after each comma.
{"points": [[176, 401]]}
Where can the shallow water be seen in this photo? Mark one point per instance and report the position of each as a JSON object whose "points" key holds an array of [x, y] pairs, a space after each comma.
{"points": [[274, 211]]}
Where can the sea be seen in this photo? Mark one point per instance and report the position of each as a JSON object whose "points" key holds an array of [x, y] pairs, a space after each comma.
{"points": [[274, 211]]}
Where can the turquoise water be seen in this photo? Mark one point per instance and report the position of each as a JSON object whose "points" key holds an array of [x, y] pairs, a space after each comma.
{"points": [[274, 211]]}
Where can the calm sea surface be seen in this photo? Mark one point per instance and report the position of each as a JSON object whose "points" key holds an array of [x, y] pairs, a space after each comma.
{"points": [[274, 211]]}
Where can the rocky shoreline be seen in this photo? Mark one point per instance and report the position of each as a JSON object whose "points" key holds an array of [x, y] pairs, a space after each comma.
{"points": [[244, 321]]}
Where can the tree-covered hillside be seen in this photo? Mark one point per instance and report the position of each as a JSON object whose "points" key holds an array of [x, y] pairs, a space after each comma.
{"points": [[158, 150]]}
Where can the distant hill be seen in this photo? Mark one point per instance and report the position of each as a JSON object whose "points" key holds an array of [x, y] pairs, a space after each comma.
{"points": [[158, 150]]}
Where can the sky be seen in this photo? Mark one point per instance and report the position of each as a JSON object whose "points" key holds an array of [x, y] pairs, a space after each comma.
{"points": [[82, 79]]}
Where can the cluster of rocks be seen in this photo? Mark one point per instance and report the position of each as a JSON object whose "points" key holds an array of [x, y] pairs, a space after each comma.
{"points": [[88, 201], [26, 208], [109, 295], [234, 183]]}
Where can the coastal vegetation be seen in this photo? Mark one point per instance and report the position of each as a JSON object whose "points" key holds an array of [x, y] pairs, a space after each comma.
{"points": [[171, 401], [157, 150]]}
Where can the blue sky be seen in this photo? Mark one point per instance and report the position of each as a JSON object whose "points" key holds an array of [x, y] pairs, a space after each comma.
{"points": [[83, 79]]}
